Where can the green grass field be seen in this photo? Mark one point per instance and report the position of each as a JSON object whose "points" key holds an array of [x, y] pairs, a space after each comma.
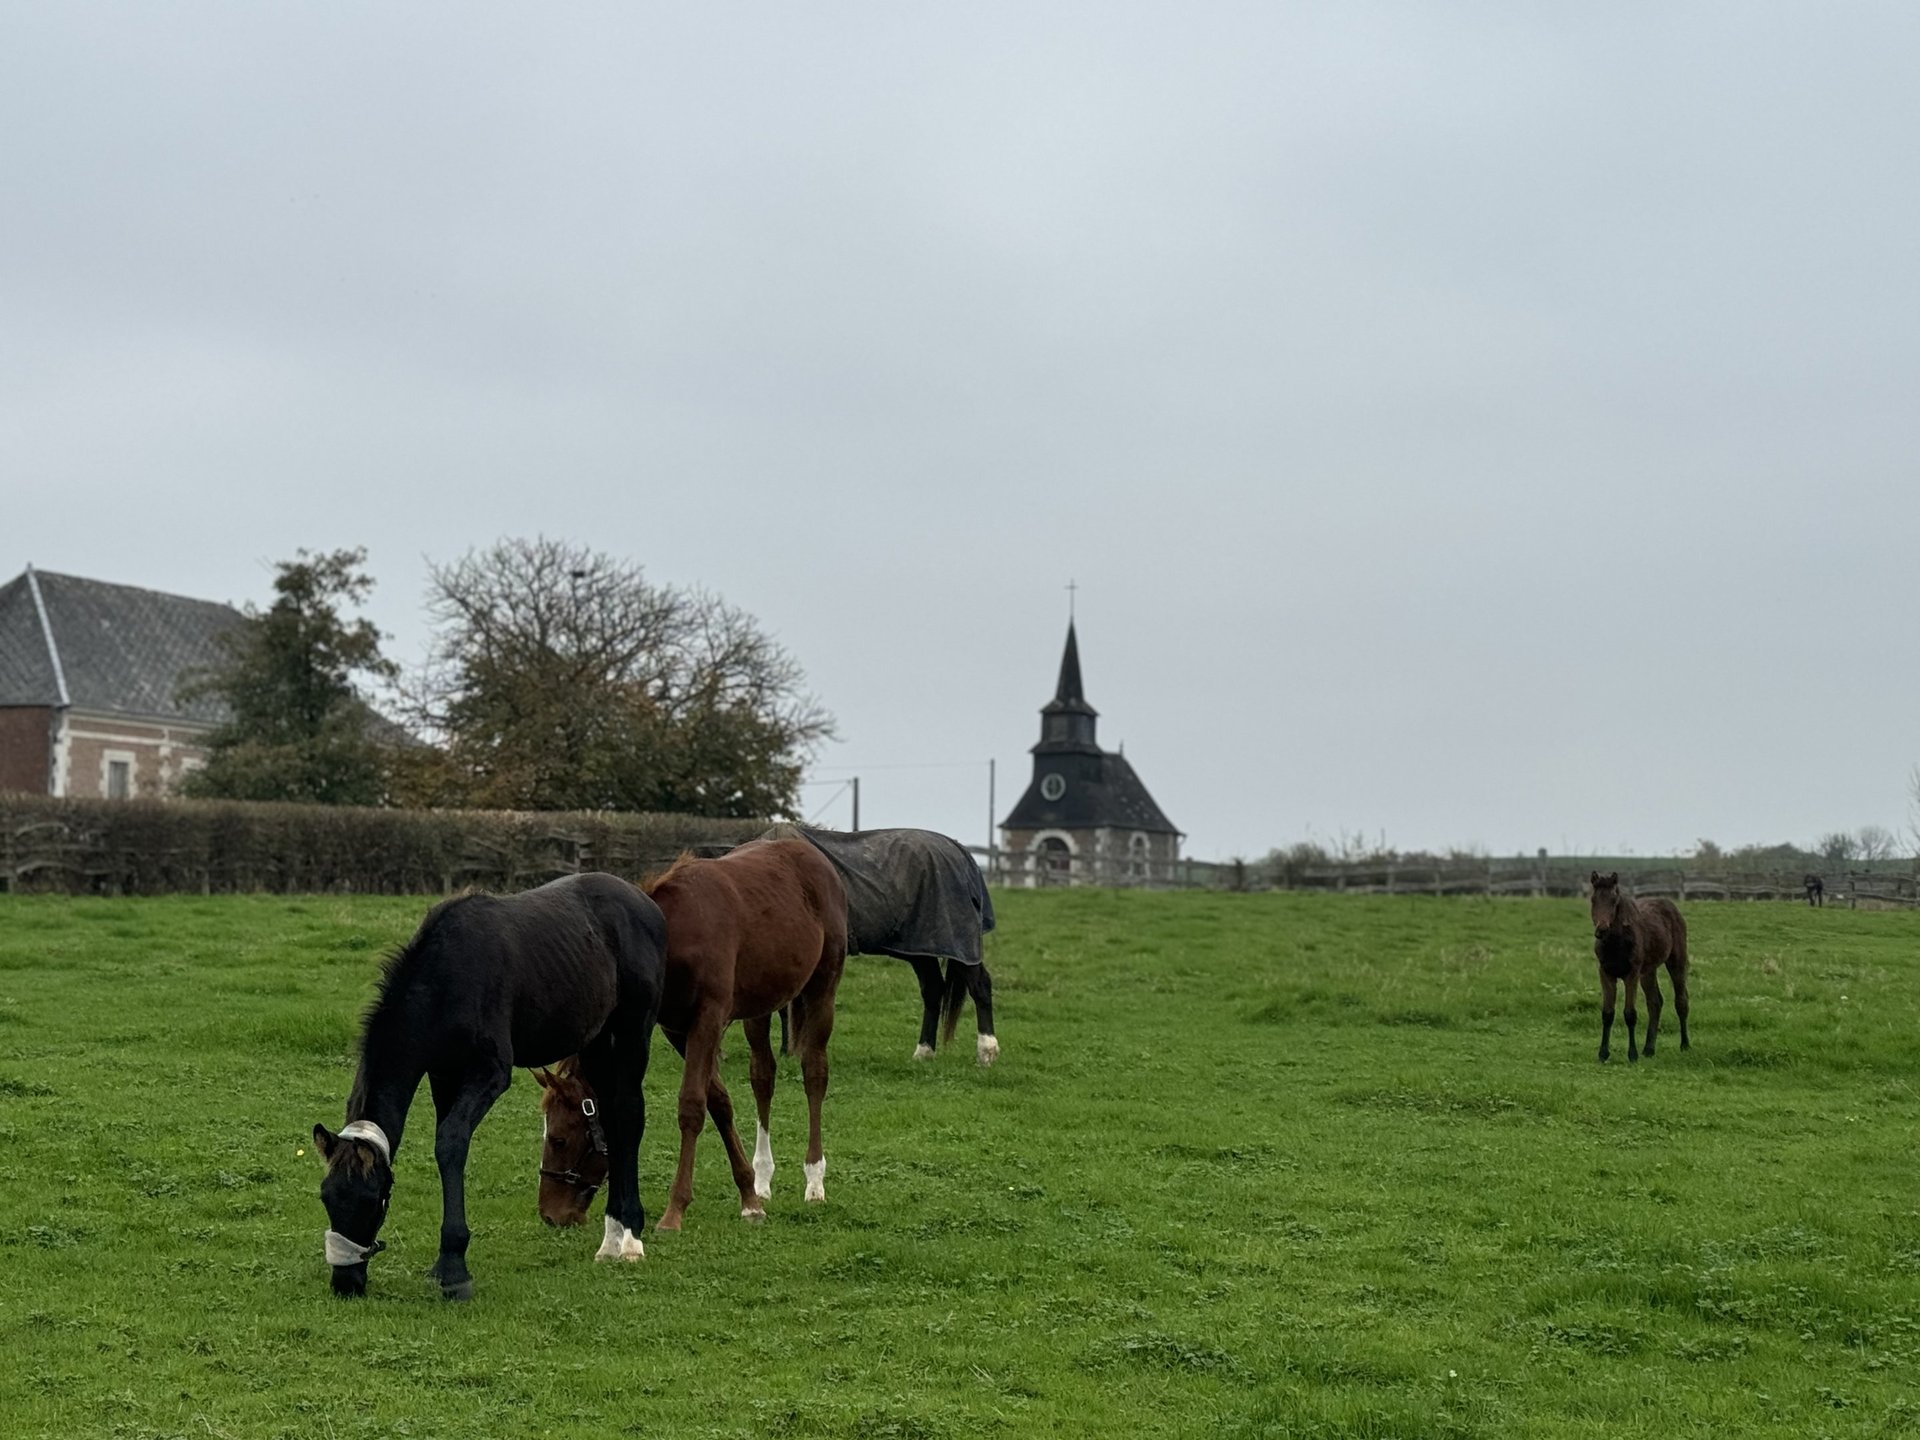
{"points": [[1250, 1165]]}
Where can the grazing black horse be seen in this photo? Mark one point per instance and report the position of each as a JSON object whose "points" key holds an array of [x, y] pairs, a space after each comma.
{"points": [[918, 896], [488, 983], [1816, 889]]}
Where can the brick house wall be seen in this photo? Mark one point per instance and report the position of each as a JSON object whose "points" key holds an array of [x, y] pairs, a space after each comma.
{"points": [[26, 748], [158, 754]]}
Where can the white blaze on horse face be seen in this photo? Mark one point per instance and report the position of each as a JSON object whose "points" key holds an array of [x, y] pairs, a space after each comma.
{"points": [[762, 1162], [988, 1050], [620, 1244], [923, 1052], [816, 1179]]}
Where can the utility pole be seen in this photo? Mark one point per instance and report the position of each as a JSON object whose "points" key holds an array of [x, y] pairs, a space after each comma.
{"points": [[992, 858], [856, 802]]}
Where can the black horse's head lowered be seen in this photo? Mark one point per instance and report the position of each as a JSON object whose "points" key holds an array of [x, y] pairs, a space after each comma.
{"points": [[487, 983], [355, 1190]]}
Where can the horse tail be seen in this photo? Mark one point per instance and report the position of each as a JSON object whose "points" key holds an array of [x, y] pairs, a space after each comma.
{"points": [[951, 1001]]}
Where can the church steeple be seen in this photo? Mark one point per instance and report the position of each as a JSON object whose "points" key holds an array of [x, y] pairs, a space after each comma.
{"points": [[1085, 815], [1068, 691], [1067, 721]]}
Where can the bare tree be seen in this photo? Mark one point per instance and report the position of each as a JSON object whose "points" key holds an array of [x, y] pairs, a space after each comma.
{"points": [[1875, 842], [561, 678]]}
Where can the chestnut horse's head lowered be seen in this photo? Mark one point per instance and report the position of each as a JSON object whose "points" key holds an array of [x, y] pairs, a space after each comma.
{"points": [[573, 1152]]}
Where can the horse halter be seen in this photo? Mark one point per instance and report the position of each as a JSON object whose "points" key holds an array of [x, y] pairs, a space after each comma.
{"points": [[573, 1178]]}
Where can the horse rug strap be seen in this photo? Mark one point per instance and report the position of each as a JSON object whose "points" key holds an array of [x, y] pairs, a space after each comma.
{"points": [[371, 1133]]}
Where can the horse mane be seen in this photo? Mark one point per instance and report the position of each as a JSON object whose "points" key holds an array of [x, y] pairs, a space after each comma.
{"points": [[680, 862], [397, 961]]}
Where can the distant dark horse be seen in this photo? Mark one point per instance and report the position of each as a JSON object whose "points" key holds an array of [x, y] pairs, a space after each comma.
{"points": [[1816, 890], [919, 897], [488, 983], [1632, 939], [761, 927]]}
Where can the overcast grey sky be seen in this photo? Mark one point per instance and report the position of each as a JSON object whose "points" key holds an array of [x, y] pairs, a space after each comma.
{"points": [[1474, 423]]}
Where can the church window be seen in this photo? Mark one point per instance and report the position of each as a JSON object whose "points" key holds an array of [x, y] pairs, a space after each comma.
{"points": [[1056, 860]]}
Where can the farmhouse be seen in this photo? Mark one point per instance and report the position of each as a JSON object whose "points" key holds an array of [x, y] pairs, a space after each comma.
{"points": [[1085, 818], [89, 675]]}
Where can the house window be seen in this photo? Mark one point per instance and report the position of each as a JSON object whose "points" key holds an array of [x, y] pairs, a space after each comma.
{"points": [[1137, 853], [116, 775]]}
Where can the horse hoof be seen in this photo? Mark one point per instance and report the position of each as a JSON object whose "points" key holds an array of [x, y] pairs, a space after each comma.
{"points": [[988, 1050], [923, 1052], [753, 1215], [666, 1222], [1603, 1057], [460, 1291]]}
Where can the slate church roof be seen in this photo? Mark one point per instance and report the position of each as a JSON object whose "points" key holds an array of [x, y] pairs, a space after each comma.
{"points": [[65, 641], [1094, 787]]}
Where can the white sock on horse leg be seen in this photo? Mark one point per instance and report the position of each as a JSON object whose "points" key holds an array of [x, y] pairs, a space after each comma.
{"points": [[988, 1050], [762, 1162], [620, 1243], [816, 1179]]}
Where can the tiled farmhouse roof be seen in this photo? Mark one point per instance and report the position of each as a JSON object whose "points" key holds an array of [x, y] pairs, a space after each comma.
{"points": [[113, 648]]}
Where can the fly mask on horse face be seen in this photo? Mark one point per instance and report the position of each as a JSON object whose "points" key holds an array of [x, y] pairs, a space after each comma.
{"points": [[342, 1249]]}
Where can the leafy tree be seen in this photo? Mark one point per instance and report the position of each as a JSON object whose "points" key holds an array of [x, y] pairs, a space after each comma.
{"points": [[1837, 847], [561, 678], [298, 727]]}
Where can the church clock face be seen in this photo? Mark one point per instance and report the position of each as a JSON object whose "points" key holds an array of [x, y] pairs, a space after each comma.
{"points": [[1052, 787]]}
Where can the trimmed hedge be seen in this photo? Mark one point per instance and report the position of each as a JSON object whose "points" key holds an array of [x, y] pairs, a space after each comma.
{"points": [[207, 847]]}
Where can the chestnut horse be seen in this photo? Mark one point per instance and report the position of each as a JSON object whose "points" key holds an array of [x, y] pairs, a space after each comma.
{"points": [[1632, 939], [758, 928]]}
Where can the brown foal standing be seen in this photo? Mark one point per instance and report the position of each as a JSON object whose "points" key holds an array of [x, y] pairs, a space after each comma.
{"points": [[760, 927], [1632, 939]]}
